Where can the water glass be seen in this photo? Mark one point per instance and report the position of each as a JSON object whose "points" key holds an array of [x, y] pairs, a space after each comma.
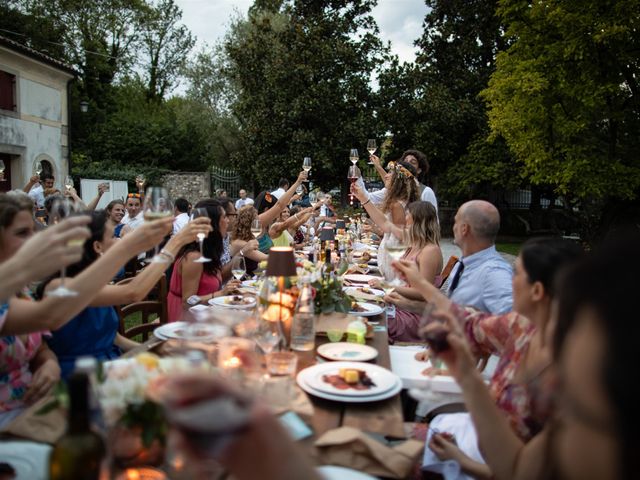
{"points": [[303, 332]]}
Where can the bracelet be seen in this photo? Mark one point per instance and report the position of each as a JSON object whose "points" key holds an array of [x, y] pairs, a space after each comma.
{"points": [[170, 256], [369, 200]]}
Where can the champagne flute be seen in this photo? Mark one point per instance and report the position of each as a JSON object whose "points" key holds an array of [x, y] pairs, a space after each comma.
{"points": [[256, 227], [61, 209], [352, 175], [396, 246], [68, 182], [353, 156], [306, 164], [157, 206], [37, 169], [372, 146], [196, 213], [238, 267], [2, 167]]}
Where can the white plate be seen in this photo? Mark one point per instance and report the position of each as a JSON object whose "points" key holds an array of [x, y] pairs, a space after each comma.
{"points": [[346, 399], [405, 365], [371, 309], [250, 283], [356, 291], [225, 302], [331, 472], [364, 279], [29, 459], [178, 330], [383, 379], [352, 352]]}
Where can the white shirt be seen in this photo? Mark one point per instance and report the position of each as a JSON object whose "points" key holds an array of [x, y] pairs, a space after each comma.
{"points": [[241, 202], [133, 222], [179, 222], [278, 193], [377, 197], [37, 195]]}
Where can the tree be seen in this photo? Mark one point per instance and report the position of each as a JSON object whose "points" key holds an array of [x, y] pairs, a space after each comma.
{"points": [[165, 46], [565, 94], [301, 71]]}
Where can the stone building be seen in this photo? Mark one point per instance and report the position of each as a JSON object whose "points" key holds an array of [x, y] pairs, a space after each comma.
{"points": [[34, 116]]}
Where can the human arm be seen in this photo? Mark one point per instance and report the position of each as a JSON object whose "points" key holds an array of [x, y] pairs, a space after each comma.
{"points": [[376, 163], [125, 343], [235, 249], [94, 202], [416, 280], [71, 192], [43, 254], [270, 215], [32, 181], [293, 221], [376, 215], [253, 253], [429, 265], [46, 374], [447, 450], [51, 313]]}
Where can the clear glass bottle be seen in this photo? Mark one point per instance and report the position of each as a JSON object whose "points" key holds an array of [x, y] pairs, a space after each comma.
{"points": [[303, 333]]}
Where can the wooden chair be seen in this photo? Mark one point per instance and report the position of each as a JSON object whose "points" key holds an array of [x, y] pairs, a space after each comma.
{"points": [[157, 294], [147, 309]]}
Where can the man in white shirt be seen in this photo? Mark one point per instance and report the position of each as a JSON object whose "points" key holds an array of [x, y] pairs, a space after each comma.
{"points": [[134, 217], [36, 186], [417, 160], [181, 212], [243, 200], [283, 186]]}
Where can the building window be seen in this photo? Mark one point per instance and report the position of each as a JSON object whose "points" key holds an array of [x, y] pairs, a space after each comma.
{"points": [[8, 91]]}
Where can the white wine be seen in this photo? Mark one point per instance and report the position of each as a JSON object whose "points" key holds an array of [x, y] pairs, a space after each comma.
{"points": [[150, 216], [256, 232], [372, 151], [80, 453], [354, 160], [76, 242], [238, 274], [396, 251], [200, 236], [306, 168]]}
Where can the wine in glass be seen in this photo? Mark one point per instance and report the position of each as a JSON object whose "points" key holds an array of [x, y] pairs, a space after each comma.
{"points": [[37, 169], [68, 182], [157, 205], [306, 164], [2, 167], [352, 175], [256, 227], [396, 246], [238, 267], [61, 209], [300, 190], [141, 180], [372, 146], [353, 156], [313, 198], [196, 213]]}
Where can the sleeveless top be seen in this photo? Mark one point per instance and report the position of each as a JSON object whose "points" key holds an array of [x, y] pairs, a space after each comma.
{"points": [[208, 284], [384, 260], [265, 243], [283, 240], [118, 230], [91, 332]]}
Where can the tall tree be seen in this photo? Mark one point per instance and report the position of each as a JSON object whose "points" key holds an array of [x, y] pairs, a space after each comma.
{"points": [[165, 47], [302, 75]]}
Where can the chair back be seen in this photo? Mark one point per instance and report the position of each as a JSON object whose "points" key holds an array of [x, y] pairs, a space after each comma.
{"points": [[446, 271], [147, 324]]}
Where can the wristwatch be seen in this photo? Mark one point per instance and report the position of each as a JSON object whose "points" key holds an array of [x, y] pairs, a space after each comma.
{"points": [[194, 300]]}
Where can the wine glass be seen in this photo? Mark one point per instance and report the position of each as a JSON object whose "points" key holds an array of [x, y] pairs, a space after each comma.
{"points": [[396, 246], [37, 169], [256, 227], [353, 156], [238, 267], [68, 182], [2, 167], [372, 146], [141, 180], [306, 164], [300, 190], [313, 198], [352, 175], [61, 209], [196, 213], [157, 205], [268, 335]]}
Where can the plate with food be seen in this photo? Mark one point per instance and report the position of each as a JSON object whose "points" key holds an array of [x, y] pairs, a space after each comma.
{"points": [[198, 332], [234, 301], [364, 292], [363, 279], [345, 351], [365, 309], [251, 283], [349, 381]]}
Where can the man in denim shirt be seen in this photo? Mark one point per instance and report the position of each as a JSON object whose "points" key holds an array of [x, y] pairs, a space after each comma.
{"points": [[482, 278]]}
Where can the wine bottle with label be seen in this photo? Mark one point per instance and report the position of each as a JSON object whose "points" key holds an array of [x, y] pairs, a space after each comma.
{"points": [[80, 453]]}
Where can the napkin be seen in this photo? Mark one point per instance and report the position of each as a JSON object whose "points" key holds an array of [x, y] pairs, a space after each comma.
{"points": [[338, 321], [300, 404], [46, 428], [352, 448]]}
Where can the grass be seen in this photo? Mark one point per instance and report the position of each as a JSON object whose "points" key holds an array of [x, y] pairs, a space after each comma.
{"points": [[511, 248], [133, 320]]}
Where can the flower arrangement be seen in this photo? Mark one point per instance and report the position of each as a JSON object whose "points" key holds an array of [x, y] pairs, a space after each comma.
{"points": [[329, 296]]}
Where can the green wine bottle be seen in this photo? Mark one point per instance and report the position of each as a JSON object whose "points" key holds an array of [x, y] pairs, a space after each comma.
{"points": [[80, 453]]}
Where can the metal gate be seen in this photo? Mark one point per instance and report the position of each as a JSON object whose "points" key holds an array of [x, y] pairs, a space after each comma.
{"points": [[225, 179]]}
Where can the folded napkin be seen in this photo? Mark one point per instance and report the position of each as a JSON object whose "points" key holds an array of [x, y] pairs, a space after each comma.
{"points": [[352, 448], [45, 428], [300, 404]]}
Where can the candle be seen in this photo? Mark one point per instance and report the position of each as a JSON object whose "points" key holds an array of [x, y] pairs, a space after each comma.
{"points": [[233, 362], [143, 473]]}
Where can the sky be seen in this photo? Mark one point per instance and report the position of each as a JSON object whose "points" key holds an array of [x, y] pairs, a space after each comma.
{"points": [[399, 21]]}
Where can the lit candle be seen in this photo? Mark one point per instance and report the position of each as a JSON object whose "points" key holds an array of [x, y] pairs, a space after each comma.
{"points": [[144, 473], [233, 362]]}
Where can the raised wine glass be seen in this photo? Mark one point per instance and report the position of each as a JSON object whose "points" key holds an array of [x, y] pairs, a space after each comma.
{"points": [[238, 267], [353, 156], [37, 169], [372, 146], [268, 335], [141, 180], [196, 213], [300, 190], [306, 164], [352, 175], [256, 227], [313, 198], [396, 246], [68, 182], [2, 167], [61, 209], [157, 205]]}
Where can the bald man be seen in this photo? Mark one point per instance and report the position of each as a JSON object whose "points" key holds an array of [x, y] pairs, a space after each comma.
{"points": [[482, 278]]}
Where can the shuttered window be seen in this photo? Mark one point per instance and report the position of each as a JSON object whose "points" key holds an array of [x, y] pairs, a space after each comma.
{"points": [[7, 91]]}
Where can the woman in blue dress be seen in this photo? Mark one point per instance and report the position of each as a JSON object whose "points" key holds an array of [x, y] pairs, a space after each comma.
{"points": [[94, 331]]}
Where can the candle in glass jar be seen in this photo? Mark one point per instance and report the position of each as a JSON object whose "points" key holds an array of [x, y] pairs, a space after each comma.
{"points": [[144, 473]]}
